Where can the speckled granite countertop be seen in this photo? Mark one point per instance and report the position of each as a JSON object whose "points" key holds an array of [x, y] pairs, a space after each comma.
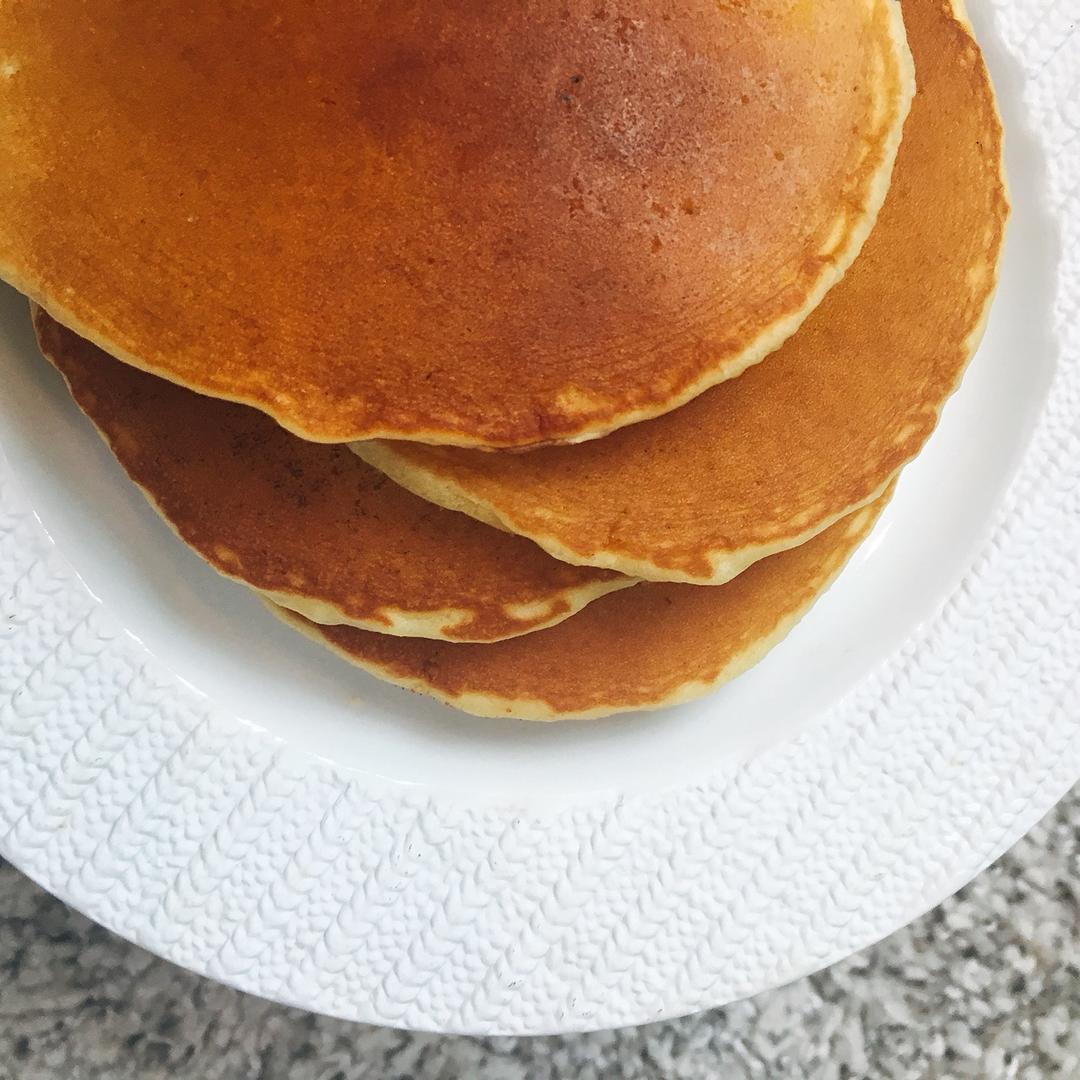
{"points": [[986, 986]]}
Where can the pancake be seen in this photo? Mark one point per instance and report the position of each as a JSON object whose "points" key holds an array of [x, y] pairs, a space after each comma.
{"points": [[767, 461], [659, 644], [312, 527], [462, 223]]}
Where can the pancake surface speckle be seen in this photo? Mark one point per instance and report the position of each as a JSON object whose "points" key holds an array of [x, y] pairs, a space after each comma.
{"points": [[769, 459], [651, 646], [467, 223], [312, 526]]}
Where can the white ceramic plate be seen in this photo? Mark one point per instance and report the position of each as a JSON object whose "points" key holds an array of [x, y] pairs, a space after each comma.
{"points": [[194, 776]]}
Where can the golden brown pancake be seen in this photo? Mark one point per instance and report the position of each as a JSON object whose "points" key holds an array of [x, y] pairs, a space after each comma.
{"points": [[468, 222], [313, 527], [764, 462], [656, 645]]}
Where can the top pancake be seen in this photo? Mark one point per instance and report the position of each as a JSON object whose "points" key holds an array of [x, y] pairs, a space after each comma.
{"points": [[469, 223], [764, 462]]}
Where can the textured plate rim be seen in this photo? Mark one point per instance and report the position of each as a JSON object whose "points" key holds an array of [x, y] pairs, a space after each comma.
{"points": [[216, 846]]}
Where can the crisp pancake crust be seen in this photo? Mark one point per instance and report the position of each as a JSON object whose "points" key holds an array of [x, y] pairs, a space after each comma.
{"points": [[766, 461], [656, 645], [468, 223], [312, 527]]}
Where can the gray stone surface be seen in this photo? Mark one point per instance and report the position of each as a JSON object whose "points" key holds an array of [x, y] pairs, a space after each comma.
{"points": [[986, 986]]}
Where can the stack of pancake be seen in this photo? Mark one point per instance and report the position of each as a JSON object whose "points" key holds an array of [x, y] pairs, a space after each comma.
{"points": [[547, 358]]}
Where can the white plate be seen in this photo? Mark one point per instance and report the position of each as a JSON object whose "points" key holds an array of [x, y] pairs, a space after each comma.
{"points": [[199, 779]]}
